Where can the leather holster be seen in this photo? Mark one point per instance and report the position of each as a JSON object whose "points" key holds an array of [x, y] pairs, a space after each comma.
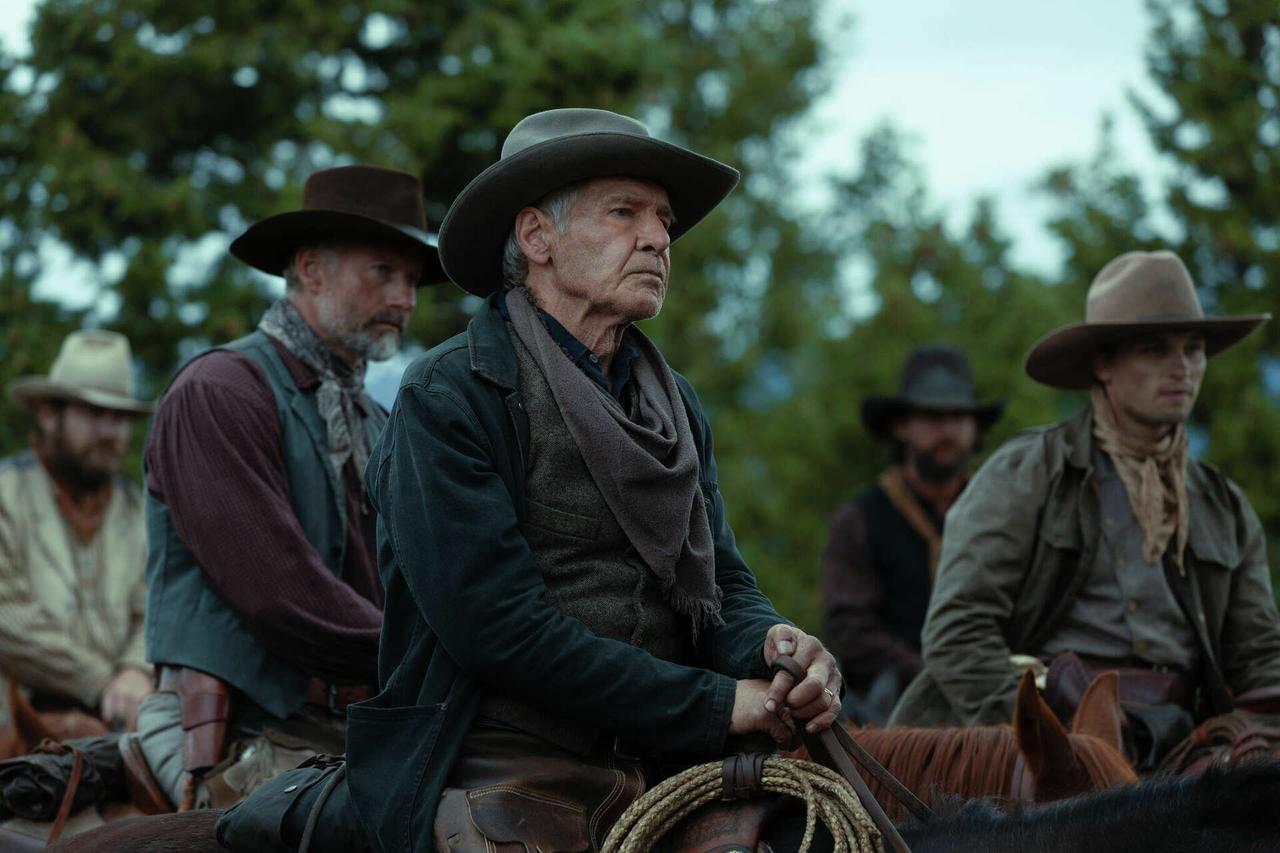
{"points": [[204, 704]]}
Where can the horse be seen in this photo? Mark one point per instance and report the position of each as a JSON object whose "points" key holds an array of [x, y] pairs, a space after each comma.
{"points": [[1230, 810], [1033, 760]]}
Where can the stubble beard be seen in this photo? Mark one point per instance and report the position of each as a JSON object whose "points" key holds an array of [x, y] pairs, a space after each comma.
{"points": [[361, 340], [933, 470], [80, 470]]}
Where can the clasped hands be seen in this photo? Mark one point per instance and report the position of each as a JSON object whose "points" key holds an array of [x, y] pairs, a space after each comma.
{"points": [[771, 706]]}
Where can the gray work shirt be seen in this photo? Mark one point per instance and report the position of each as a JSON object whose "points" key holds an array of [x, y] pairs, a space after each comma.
{"points": [[1126, 611]]}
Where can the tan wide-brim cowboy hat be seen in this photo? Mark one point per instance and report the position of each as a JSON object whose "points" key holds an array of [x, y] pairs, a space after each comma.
{"points": [[1137, 293], [555, 148], [345, 204], [935, 378], [94, 367]]}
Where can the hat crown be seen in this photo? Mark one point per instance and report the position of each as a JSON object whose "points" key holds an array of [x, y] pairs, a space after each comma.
{"points": [[937, 373], [1140, 287], [387, 195], [95, 359], [568, 121]]}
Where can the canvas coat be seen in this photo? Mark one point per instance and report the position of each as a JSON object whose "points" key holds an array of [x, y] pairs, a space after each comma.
{"points": [[466, 604], [65, 628], [1021, 540]]}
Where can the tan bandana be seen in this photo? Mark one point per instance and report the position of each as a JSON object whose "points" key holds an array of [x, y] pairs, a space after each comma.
{"points": [[1154, 477]]}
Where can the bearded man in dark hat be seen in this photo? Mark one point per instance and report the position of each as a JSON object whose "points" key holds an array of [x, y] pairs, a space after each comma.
{"points": [[567, 615], [264, 603], [1097, 544], [878, 567]]}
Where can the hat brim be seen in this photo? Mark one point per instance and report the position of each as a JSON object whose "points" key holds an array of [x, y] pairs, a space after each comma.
{"points": [[269, 245], [878, 412], [26, 390], [1063, 358], [476, 227]]}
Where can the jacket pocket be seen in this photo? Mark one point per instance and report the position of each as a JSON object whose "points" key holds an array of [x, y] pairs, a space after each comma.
{"points": [[390, 751], [560, 521]]}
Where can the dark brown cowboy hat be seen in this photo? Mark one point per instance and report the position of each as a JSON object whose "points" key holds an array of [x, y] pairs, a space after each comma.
{"points": [[347, 203], [935, 378], [1137, 293], [555, 148]]}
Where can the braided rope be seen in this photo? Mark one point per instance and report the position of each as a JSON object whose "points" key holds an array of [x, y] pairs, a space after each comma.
{"points": [[826, 796]]}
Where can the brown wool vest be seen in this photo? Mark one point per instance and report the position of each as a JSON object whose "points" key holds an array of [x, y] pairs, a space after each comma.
{"points": [[591, 571]]}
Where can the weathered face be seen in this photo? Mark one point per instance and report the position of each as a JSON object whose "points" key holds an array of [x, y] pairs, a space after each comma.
{"points": [[364, 297], [614, 253], [939, 443], [84, 444], [1154, 380]]}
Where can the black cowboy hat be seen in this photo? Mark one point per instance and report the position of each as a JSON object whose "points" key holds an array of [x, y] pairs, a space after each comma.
{"points": [[347, 203], [935, 378], [555, 148]]}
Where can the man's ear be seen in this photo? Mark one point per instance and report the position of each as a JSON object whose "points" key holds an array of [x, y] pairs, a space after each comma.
{"points": [[898, 428], [46, 415], [310, 265], [533, 230], [1100, 367]]}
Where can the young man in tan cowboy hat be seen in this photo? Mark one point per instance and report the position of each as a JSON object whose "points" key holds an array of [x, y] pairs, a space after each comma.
{"points": [[877, 570], [72, 539], [264, 603], [566, 608], [1097, 543]]}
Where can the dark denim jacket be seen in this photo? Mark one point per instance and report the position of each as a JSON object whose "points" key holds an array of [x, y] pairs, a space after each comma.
{"points": [[465, 603]]}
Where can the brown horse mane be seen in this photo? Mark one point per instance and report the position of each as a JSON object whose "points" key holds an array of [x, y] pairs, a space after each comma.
{"points": [[977, 761]]}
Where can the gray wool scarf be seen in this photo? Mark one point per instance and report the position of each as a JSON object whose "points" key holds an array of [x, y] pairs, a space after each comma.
{"points": [[646, 468], [341, 395]]}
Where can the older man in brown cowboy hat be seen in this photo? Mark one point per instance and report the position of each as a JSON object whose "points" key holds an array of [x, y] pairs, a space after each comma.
{"points": [[72, 540], [264, 602], [567, 613], [1098, 544], [877, 570]]}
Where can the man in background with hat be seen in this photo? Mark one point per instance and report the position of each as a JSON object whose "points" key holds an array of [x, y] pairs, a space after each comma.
{"points": [[1097, 544], [264, 603], [878, 567], [72, 540], [567, 614]]}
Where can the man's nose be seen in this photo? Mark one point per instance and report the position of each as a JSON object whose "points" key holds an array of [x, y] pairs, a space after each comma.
{"points": [[404, 294], [654, 236]]}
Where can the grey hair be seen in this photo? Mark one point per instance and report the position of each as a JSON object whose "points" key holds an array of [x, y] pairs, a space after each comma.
{"points": [[556, 204], [291, 280]]}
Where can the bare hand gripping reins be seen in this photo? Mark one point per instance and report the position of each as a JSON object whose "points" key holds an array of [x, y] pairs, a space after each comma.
{"points": [[833, 748]]}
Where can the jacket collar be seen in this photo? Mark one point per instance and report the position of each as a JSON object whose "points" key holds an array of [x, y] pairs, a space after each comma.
{"points": [[492, 356], [1078, 432]]}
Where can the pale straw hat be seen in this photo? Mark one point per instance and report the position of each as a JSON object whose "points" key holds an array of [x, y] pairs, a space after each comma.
{"points": [[94, 367]]}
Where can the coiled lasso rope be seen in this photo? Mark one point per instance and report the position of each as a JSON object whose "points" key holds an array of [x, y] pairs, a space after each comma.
{"points": [[826, 797]]}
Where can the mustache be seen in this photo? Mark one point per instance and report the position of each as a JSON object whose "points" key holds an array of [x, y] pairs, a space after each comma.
{"points": [[398, 319]]}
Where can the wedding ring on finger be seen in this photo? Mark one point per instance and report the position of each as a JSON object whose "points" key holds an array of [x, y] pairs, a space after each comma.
{"points": [[829, 693]]}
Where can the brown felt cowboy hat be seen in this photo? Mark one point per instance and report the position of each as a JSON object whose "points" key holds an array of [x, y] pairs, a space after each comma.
{"points": [[93, 367], [1137, 293], [349, 204], [555, 148], [935, 378]]}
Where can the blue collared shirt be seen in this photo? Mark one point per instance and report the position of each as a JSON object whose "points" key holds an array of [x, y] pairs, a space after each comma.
{"points": [[586, 360]]}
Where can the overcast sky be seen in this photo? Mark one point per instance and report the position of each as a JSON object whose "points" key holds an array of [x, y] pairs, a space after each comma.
{"points": [[993, 92]]}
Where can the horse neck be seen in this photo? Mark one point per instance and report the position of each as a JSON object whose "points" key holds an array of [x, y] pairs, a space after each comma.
{"points": [[962, 762]]}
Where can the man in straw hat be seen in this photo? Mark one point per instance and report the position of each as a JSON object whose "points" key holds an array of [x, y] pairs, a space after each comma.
{"points": [[72, 539], [566, 607], [1097, 543], [264, 603], [877, 570]]}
